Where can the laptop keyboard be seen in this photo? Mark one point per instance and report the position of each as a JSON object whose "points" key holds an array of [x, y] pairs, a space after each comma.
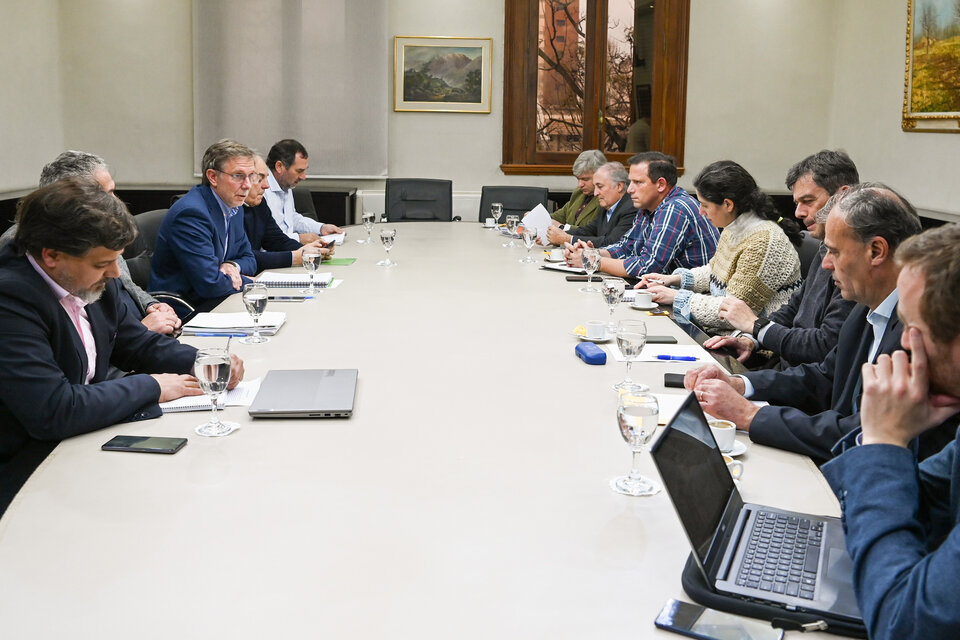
{"points": [[782, 555]]}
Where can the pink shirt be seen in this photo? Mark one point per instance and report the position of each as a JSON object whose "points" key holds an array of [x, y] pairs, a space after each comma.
{"points": [[74, 307]]}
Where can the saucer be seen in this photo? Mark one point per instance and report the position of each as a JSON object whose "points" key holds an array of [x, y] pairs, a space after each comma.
{"points": [[607, 337], [645, 307], [489, 226], [738, 450], [549, 259]]}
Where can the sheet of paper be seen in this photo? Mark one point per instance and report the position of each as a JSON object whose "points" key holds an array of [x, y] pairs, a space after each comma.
{"points": [[539, 218], [235, 320], [268, 277], [240, 396], [651, 351], [334, 237], [562, 266]]}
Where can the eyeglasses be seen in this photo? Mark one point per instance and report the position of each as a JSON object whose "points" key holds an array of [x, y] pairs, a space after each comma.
{"points": [[254, 178]]}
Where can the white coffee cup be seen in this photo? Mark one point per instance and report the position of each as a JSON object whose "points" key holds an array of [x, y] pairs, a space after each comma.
{"points": [[596, 330], [735, 467], [489, 222], [556, 254], [643, 299], [725, 433]]}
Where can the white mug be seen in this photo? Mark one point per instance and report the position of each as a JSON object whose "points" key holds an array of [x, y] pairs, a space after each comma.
{"points": [[735, 467], [556, 254], [642, 299], [596, 330], [725, 433]]}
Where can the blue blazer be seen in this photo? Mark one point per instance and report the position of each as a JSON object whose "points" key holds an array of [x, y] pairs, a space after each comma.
{"points": [[271, 246], [902, 524], [189, 249], [43, 365]]}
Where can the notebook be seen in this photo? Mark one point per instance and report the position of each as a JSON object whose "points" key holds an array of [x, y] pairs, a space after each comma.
{"points": [[734, 543], [306, 393]]}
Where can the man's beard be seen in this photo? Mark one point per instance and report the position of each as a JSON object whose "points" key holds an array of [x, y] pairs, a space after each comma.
{"points": [[89, 295]]}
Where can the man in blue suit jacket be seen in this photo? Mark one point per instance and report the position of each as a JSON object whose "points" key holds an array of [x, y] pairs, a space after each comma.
{"points": [[202, 249], [63, 322], [902, 519]]}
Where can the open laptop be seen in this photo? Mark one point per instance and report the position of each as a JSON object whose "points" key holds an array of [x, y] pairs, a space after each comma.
{"points": [[793, 560], [306, 393]]}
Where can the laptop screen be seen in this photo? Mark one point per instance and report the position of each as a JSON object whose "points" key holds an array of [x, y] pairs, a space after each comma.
{"points": [[694, 474]]}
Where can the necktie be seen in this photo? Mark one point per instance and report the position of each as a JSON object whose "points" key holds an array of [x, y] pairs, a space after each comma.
{"points": [[586, 201]]}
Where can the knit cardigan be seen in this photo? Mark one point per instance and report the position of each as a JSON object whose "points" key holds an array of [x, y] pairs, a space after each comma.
{"points": [[755, 262]]}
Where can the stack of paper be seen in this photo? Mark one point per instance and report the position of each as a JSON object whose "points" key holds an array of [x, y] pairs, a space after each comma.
{"points": [[333, 237], [228, 324], [540, 220], [276, 279], [240, 396]]}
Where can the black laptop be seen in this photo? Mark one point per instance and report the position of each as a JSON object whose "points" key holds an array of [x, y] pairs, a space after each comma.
{"points": [[792, 560]]}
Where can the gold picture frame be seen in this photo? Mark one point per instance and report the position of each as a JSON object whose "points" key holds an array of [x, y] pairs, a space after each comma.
{"points": [[442, 73], [931, 98]]}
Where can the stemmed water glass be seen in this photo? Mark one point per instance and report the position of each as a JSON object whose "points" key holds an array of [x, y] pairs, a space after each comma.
{"points": [[255, 300], [387, 236], [496, 210], [513, 221], [368, 219], [591, 262], [612, 289], [212, 369], [529, 235], [637, 416], [311, 258], [631, 338]]}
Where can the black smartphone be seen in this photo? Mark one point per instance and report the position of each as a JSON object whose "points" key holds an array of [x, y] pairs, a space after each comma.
{"points": [[144, 444], [694, 621], [674, 380], [661, 340], [583, 279]]}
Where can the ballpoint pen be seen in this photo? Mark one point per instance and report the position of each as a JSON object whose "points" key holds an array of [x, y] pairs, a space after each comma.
{"points": [[683, 358]]}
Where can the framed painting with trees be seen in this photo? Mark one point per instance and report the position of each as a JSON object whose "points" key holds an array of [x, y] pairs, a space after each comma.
{"points": [[931, 99], [440, 73]]}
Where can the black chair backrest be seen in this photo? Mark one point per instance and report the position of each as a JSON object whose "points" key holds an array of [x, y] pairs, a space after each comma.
{"points": [[140, 270], [303, 202], [516, 200], [148, 224], [419, 199], [808, 251]]}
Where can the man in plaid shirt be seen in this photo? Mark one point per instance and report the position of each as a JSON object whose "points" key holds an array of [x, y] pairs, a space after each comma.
{"points": [[668, 232]]}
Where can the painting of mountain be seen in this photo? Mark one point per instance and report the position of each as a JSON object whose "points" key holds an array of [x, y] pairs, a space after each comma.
{"points": [[442, 74]]}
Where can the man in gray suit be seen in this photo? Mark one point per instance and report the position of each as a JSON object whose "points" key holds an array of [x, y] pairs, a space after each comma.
{"points": [[616, 211], [156, 316]]}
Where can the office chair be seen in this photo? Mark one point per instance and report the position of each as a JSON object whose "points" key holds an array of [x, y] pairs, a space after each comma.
{"points": [[148, 224], [808, 250], [517, 200], [303, 202], [419, 199], [141, 251]]}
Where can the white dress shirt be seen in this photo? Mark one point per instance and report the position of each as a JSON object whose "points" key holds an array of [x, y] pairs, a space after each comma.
{"points": [[280, 202]]}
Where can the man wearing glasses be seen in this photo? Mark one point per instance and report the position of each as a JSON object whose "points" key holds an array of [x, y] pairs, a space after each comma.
{"points": [[202, 250]]}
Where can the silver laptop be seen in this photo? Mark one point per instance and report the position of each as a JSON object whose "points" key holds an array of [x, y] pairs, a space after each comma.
{"points": [[306, 393], [793, 560]]}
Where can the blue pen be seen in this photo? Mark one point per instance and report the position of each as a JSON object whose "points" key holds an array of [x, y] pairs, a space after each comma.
{"points": [[683, 358], [218, 335]]}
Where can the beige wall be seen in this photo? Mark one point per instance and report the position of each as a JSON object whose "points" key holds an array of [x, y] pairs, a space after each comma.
{"points": [[770, 81]]}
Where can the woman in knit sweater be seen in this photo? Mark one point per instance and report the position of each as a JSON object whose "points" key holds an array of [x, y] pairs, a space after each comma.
{"points": [[756, 259]]}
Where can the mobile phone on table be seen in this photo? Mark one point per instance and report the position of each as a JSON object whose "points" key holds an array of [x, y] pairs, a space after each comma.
{"points": [[144, 444], [695, 621], [583, 279]]}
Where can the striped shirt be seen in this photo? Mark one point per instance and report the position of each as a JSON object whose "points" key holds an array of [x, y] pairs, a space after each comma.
{"points": [[671, 236]]}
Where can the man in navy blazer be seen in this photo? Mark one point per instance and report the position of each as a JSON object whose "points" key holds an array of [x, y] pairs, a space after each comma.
{"points": [[616, 214], [814, 405], [202, 251], [272, 248], [901, 518], [63, 322]]}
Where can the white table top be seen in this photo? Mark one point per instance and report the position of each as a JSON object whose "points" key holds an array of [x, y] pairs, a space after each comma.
{"points": [[467, 497]]}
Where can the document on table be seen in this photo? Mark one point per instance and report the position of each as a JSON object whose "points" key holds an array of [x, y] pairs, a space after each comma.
{"points": [[240, 396], [336, 238], [239, 322], [539, 218], [676, 351], [562, 266], [277, 279]]}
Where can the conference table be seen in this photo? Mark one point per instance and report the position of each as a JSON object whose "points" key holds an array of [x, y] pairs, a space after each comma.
{"points": [[468, 496]]}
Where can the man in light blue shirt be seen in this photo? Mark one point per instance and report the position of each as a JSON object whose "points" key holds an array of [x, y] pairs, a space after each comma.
{"points": [[288, 163]]}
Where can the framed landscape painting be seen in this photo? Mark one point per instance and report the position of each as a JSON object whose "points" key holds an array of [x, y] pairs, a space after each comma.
{"points": [[931, 100], [434, 73]]}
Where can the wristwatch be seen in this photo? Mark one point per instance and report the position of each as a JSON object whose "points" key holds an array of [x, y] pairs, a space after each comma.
{"points": [[759, 324]]}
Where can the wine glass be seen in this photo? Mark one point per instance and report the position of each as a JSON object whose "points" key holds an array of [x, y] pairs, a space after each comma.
{"points": [[513, 221], [212, 369], [529, 235], [631, 338], [311, 262], [591, 262], [255, 300], [369, 218], [612, 289], [496, 210], [637, 416], [387, 236]]}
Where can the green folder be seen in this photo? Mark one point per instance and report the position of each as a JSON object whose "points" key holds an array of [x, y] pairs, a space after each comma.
{"points": [[340, 262]]}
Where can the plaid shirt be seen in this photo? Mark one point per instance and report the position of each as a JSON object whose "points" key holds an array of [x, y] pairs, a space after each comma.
{"points": [[672, 235]]}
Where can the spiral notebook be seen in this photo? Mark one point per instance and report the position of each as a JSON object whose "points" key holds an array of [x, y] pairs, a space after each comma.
{"points": [[276, 279]]}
